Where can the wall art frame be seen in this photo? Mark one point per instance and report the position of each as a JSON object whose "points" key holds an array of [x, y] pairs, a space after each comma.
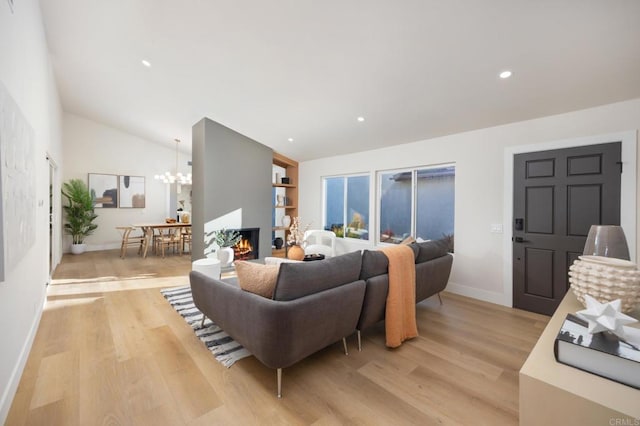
{"points": [[104, 190], [131, 192]]}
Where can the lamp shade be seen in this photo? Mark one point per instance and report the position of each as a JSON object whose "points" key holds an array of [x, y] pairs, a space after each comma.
{"points": [[607, 241]]}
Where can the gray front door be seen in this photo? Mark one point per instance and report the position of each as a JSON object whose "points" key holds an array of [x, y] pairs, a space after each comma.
{"points": [[557, 196]]}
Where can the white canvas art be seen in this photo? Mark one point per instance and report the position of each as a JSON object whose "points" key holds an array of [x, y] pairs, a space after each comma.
{"points": [[17, 163]]}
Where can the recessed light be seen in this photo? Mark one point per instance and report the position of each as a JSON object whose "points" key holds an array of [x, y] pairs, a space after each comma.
{"points": [[290, 139], [505, 74], [361, 119], [146, 63]]}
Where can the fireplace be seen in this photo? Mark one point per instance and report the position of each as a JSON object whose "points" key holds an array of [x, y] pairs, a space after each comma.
{"points": [[247, 247]]}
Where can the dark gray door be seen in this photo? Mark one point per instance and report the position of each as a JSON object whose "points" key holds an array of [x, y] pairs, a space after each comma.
{"points": [[557, 196]]}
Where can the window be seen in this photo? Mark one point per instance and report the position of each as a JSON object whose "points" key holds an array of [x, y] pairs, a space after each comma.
{"points": [[417, 202], [346, 201]]}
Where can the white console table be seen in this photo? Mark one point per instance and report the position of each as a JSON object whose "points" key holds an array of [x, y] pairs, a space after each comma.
{"points": [[556, 394]]}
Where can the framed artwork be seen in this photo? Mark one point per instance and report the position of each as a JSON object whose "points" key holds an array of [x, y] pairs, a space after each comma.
{"points": [[131, 191], [18, 202], [104, 190]]}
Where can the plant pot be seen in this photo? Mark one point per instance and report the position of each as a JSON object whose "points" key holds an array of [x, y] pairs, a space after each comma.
{"points": [[78, 248], [225, 256], [295, 253]]}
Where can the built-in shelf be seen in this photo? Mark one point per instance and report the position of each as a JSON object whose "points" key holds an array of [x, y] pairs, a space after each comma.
{"points": [[290, 192]]}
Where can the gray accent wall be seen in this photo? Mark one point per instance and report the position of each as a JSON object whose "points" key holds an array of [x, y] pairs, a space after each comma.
{"points": [[231, 175]]}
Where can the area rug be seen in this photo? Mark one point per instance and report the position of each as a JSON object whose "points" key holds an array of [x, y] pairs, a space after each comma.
{"points": [[226, 350]]}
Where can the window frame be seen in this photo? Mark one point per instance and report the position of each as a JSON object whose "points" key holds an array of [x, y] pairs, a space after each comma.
{"points": [[346, 177], [414, 195]]}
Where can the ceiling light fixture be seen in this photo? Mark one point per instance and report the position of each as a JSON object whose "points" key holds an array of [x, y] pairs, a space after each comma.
{"points": [[176, 177], [290, 139], [146, 63], [361, 119], [505, 74]]}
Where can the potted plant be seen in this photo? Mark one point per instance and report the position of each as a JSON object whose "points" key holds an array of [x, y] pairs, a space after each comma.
{"points": [[226, 239], [79, 213]]}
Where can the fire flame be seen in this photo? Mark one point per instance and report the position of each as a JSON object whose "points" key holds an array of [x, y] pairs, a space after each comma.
{"points": [[243, 248]]}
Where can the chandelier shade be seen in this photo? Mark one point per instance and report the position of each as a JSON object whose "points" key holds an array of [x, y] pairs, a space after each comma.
{"points": [[176, 176]]}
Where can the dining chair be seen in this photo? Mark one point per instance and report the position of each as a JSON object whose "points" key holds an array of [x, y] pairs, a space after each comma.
{"points": [[166, 238], [128, 240], [185, 238]]}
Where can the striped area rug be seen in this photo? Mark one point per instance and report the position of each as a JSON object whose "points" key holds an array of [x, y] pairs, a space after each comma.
{"points": [[226, 350]]}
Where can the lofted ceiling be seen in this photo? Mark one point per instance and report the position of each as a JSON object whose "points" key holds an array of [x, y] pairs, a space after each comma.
{"points": [[302, 69]]}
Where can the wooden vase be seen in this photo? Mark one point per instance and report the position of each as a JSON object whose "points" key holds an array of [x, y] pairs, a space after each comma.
{"points": [[295, 253]]}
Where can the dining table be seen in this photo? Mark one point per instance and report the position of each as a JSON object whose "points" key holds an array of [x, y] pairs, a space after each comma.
{"points": [[149, 229]]}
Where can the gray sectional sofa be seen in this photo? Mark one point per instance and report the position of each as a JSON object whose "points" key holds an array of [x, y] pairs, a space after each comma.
{"points": [[314, 304]]}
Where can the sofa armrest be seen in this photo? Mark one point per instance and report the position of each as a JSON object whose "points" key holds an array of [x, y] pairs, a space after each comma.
{"points": [[280, 333], [432, 276]]}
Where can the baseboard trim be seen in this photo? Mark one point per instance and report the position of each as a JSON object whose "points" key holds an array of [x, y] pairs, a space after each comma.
{"points": [[476, 293], [97, 247], [9, 393]]}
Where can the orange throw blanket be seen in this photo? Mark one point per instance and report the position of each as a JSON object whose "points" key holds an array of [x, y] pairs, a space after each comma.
{"points": [[400, 315]]}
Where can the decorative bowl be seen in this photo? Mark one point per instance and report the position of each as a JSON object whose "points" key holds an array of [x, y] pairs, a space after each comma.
{"points": [[606, 279]]}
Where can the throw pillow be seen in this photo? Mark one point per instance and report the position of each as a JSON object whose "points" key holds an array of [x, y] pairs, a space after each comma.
{"points": [[257, 278]]}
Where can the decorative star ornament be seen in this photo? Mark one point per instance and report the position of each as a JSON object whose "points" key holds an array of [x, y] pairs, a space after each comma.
{"points": [[605, 316]]}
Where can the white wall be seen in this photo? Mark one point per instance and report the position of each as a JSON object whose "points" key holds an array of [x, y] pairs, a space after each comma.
{"points": [[479, 157], [25, 70], [92, 147]]}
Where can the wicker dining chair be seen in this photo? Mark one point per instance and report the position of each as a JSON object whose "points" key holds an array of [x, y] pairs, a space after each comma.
{"points": [[186, 239], [170, 237], [128, 240]]}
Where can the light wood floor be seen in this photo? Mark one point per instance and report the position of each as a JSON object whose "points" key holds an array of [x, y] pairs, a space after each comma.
{"points": [[110, 350]]}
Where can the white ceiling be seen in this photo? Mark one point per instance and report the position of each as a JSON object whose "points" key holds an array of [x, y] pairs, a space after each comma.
{"points": [[276, 69]]}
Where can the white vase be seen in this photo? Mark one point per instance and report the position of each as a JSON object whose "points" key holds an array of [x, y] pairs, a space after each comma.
{"points": [[286, 221], [78, 248], [225, 256]]}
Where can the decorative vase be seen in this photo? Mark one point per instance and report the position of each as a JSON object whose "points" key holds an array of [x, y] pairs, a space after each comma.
{"points": [[295, 252], [607, 241], [225, 256], [278, 243], [606, 279], [78, 248], [286, 221]]}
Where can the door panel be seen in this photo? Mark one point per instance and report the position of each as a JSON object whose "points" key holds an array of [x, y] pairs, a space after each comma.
{"points": [[583, 208], [557, 196], [540, 168], [585, 165], [537, 283], [539, 208]]}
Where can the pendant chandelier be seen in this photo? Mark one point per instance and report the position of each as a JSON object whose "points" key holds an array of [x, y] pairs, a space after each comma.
{"points": [[177, 176]]}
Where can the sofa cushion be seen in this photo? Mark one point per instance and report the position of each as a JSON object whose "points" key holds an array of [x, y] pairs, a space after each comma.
{"points": [[257, 278], [431, 249], [300, 279], [374, 263]]}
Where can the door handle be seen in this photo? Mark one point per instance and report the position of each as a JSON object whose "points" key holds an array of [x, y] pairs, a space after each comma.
{"points": [[519, 240]]}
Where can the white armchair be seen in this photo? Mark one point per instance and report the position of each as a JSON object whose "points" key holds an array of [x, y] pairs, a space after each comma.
{"points": [[320, 242]]}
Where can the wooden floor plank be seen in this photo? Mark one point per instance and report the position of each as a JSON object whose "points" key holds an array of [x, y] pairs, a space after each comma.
{"points": [[111, 350]]}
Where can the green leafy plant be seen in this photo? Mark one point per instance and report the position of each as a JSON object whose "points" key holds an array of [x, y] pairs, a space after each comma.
{"points": [[78, 210], [226, 237]]}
